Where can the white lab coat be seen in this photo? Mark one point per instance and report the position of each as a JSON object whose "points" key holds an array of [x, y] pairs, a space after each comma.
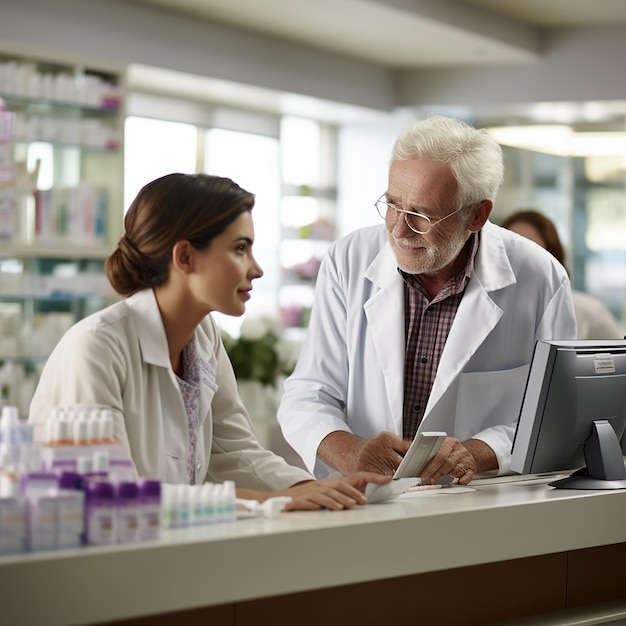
{"points": [[349, 376], [119, 357]]}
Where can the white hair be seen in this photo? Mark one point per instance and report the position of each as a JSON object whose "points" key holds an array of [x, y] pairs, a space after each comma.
{"points": [[473, 155]]}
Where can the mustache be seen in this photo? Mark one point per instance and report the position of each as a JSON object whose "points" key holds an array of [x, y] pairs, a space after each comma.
{"points": [[410, 242]]}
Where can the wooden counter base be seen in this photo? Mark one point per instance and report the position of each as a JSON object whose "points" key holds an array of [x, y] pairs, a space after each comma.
{"points": [[476, 595]]}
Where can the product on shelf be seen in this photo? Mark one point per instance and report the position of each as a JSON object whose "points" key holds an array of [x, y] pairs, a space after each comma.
{"points": [[61, 206], [74, 488], [198, 505], [8, 174]]}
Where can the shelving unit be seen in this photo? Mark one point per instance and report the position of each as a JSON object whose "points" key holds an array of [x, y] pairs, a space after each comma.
{"points": [[65, 204]]}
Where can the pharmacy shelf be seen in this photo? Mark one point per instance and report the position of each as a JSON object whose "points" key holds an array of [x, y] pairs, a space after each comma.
{"points": [[54, 251]]}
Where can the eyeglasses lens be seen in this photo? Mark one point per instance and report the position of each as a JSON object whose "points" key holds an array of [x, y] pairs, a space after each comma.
{"points": [[418, 223]]}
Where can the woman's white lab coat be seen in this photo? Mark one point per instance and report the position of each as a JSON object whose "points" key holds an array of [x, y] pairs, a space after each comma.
{"points": [[119, 357], [350, 373]]}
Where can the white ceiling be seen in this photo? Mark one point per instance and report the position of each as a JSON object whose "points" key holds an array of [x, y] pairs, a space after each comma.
{"points": [[408, 33], [396, 34], [558, 12]]}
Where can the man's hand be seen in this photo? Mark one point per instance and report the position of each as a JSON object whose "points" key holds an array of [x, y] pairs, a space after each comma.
{"points": [[459, 460], [349, 454], [382, 454]]}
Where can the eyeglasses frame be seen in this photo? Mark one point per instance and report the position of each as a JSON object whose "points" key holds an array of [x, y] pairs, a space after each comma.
{"points": [[407, 213]]}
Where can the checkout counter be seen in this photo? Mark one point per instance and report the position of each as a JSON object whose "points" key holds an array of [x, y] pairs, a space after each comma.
{"points": [[503, 550]]}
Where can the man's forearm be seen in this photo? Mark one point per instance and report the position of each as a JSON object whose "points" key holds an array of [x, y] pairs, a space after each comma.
{"points": [[340, 450]]}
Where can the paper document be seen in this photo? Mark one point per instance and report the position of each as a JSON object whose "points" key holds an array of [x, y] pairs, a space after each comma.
{"points": [[423, 449]]}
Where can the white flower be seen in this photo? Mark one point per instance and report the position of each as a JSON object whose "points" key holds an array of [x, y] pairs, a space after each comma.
{"points": [[272, 325], [259, 353], [288, 353], [253, 329]]}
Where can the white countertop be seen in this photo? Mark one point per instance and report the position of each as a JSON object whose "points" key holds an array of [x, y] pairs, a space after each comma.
{"points": [[299, 551]]}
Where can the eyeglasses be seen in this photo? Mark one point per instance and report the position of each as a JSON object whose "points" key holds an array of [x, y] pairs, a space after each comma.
{"points": [[417, 222]]}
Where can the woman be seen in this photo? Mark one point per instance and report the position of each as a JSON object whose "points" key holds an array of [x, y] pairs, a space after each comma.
{"points": [[593, 318], [157, 359]]}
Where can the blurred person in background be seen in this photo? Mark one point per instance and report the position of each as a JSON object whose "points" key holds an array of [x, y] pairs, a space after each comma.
{"points": [[593, 317]]}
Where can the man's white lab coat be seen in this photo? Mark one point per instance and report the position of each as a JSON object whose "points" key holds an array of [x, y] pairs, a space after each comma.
{"points": [[350, 373]]}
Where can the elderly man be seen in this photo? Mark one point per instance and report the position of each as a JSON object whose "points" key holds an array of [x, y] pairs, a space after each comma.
{"points": [[425, 323]]}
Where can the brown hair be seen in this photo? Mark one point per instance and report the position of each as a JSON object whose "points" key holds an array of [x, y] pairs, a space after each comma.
{"points": [[544, 226], [176, 207]]}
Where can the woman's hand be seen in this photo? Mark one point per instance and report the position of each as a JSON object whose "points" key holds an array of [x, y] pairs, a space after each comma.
{"points": [[331, 493]]}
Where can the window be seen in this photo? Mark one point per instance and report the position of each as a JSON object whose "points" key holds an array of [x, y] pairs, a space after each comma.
{"points": [[252, 161], [271, 157], [154, 148]]}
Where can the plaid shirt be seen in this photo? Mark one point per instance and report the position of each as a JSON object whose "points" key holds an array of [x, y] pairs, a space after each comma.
{"points": [[427, 325]]}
